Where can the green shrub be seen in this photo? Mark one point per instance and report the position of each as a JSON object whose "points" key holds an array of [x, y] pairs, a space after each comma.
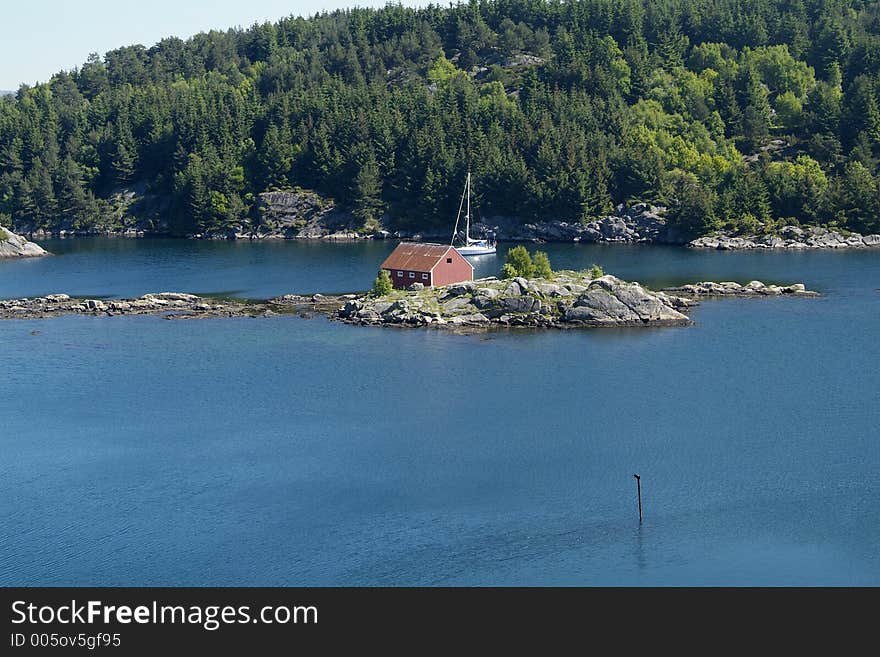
{"points": [[518, 263], [595, 271], [542, 265], [507, 271], [382, 285]]}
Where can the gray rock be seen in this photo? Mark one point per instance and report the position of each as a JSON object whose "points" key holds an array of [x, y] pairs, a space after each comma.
{"points": [[468, 320], [705, 243], [606, 282], [15, 246], [380, 307], [513, 289], [553, 290], [604, 307], [368, 315], [647, 306], [399, 307], [525, 286], [483, 302], [459, 289], [170, 296], [521, 304], [458, 305]]}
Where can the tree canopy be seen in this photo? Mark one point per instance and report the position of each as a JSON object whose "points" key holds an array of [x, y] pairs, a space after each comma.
{"points": [[560, 110]]}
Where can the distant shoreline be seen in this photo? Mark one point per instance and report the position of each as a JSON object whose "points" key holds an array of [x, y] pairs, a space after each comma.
{"points": [[826, 240]]}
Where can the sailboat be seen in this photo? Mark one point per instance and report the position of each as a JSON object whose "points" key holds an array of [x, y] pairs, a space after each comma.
{"points": [[470, 247]]}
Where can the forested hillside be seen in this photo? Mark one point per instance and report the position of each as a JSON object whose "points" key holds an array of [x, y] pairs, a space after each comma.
{"points": [[735, 113]]}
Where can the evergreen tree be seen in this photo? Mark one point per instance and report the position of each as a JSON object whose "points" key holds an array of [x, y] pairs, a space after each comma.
{"points": [[367, 191], [562, 110], [694, 213]]}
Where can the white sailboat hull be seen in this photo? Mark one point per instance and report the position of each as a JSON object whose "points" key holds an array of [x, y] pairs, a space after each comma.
{"points": [[474, 250]]}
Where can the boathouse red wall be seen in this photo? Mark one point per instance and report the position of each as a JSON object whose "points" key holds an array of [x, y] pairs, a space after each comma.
{"points": [[452, 268], [428, 264]]}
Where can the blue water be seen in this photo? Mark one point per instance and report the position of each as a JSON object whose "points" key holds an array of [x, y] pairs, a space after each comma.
{"points": [[286, 451]]}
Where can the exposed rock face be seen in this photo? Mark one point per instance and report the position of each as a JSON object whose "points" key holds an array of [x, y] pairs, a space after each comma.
{"points": [[639, 223], [790, 237], [571, 300], [303, 214], [15, 246]]}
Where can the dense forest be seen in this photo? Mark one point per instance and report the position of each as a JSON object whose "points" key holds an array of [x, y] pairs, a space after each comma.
{"points": [[737, 114]]}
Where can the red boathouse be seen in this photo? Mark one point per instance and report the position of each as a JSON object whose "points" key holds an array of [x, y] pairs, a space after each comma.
{"points": [[428, 264]]}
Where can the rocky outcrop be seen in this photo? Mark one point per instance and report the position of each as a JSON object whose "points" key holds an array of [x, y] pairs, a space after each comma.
{"points": [[570, 300], [304, 214], [639, 223], [789, 237], [15, 246], [733, 289]]}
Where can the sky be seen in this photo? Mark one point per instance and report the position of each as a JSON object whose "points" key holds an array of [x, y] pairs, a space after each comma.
{"points": [[41, 37]]}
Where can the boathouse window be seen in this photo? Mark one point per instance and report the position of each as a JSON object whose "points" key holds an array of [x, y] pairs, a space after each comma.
{"points": [[424, 277], [412, 274], [400, 274], [449, 260]]}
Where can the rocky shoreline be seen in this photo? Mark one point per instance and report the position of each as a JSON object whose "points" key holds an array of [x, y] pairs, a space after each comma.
{"points": [[301, 214], [15, 246], [173, 305], [570, 300], [789, 237]]}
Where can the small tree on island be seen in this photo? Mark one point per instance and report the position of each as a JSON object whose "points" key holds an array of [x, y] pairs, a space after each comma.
{"points": [[382, 285], [595, 271], [542, 265], [518, 263]]}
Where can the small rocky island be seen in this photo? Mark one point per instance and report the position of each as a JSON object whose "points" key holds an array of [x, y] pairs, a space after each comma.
{"points": [[570, 300], [15, 246]]}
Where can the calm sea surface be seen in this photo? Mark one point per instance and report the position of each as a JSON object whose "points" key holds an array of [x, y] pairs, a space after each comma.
{"points": [[285, 451]]}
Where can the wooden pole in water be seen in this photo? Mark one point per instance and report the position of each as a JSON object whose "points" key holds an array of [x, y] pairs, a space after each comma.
{"points": [[639, 485]]}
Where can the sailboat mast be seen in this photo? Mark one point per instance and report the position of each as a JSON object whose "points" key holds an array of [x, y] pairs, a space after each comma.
{"points": [[467, 230]]}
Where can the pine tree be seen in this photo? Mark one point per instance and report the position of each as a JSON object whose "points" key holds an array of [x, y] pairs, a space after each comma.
{"points": [[275, 158], [367, 192]]}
